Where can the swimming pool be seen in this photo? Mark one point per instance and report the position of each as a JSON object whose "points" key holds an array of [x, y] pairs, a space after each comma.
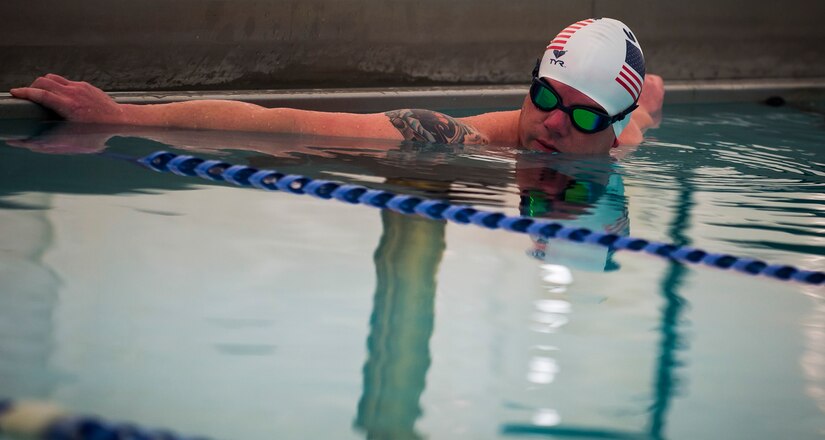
{"points": [[214, 310]]}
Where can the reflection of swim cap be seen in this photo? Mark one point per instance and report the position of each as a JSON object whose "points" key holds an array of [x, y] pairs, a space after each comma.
{"points": [[600, 58], [607, 214]]}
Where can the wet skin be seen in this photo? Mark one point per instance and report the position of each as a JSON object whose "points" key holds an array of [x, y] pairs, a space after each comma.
{"points": [[552, 131], [529, 127]]}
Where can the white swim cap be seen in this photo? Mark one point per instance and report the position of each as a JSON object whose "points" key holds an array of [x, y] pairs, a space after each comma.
{"points": [[601, 58]]}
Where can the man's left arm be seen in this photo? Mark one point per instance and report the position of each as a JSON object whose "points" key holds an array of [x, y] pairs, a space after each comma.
{"points": [[649, 113]]}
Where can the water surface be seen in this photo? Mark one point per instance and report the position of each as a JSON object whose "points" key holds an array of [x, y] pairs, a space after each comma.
{"points": [[234, 313]]}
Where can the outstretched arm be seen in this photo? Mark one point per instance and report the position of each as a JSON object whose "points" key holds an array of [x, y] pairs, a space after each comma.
{"points": [[82, 102]]}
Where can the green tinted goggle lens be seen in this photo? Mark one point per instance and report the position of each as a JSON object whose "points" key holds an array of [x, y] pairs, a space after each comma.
{"points": [[545, 99], [583, 119], [586, 120]]}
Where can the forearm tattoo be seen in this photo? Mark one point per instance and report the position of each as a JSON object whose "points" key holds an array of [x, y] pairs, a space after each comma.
{"points": [[430, 126]]}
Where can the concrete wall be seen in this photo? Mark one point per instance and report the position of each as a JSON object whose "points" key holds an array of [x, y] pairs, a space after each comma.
{"points": [[256, 44]]}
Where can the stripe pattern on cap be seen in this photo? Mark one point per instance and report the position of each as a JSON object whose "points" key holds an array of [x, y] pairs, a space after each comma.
{"points": [[632, 74], [563, 36]]}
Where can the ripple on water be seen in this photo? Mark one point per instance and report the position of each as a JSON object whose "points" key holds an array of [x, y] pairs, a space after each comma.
{"points": [[756, 177]]}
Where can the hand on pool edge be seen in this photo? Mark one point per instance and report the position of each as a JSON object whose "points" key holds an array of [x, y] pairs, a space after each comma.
{"points": [[73, 100]]}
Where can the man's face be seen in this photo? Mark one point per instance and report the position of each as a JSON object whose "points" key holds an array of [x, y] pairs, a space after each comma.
{"points": [[553, 131]]}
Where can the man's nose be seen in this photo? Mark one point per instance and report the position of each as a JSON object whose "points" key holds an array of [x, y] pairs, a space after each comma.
{"points": [[557, 121]]}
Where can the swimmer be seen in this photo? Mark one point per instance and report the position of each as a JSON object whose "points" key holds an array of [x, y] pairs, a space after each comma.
{"points": [[589, 94]]}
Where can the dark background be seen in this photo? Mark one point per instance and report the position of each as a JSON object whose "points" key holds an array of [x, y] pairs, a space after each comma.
{"points": [[253, 44]]}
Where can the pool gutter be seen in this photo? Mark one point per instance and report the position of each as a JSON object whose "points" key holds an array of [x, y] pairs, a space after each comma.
{"points": [[458, 98]]}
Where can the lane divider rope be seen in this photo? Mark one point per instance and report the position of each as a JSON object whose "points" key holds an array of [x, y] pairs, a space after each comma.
{"points": [[271, 180], [39, 420]]}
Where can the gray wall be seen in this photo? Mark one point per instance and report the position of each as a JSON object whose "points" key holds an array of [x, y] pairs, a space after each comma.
{"points": [[255, 44]]}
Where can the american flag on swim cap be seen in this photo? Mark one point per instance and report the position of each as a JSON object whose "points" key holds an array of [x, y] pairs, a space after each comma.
{"points": [[632, 74], [560, 40]]}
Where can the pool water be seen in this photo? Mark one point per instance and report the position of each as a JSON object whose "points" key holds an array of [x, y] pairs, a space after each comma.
{"points": [[233, 313]]}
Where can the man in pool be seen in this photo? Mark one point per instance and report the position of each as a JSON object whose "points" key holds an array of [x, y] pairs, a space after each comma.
{"points": [[589, 94]]}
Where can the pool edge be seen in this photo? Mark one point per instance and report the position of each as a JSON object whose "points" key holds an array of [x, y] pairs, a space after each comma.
{"points": [[443, 98]]}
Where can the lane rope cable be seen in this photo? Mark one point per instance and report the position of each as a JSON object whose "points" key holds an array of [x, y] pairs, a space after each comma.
{"points": [[271, 180], [39, 420]]}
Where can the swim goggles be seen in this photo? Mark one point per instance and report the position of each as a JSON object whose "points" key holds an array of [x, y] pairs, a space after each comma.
{"points": [[585, 119]]}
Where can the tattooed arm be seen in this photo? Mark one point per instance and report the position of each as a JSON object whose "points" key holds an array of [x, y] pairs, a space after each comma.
{"points": [[434, 127], [83, 102]]}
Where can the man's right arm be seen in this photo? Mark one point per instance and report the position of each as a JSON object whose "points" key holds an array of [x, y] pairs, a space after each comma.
{"points": [[82, 102]]}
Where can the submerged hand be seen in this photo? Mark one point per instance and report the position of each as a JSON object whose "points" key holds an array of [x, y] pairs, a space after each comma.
{"points": [[73, 100]]}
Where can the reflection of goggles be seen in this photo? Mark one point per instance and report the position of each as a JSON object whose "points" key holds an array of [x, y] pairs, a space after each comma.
{"points": [[535, 203], [585, 119]]}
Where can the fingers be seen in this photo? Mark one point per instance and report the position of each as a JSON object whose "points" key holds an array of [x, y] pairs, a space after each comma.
{"points": [[45, 90], [40, 147], [43, 97], [46, 83], [19, 144], [58, 79], [25, 143], [51, 82], [57, 146]]}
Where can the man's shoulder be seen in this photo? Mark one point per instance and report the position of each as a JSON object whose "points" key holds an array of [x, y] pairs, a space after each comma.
{"points": [[499, 128], [434, 127]]}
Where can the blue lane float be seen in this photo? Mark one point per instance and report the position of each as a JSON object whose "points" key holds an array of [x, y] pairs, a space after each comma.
{"points": [[271, 180], [38, 420]]}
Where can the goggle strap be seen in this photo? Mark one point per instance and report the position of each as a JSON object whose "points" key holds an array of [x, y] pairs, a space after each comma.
{"points": [[624, 113]]}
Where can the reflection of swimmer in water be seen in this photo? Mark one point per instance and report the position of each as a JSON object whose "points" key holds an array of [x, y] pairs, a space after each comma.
{"points": [[407, 261], [589, 194], [586, 97], [589, 94]]}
